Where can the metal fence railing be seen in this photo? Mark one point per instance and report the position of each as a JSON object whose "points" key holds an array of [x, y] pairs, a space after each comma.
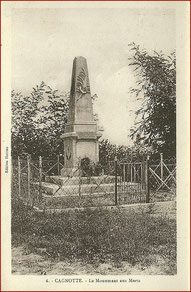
{"points": [[40, 184], [162, 178]]}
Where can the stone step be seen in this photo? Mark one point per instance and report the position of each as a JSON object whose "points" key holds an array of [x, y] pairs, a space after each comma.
{"points": [[60, 180], [51, 189]]}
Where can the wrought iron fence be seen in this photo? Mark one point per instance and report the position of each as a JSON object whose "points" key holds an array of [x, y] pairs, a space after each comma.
{"points": [[162, 178], [40, 184]]}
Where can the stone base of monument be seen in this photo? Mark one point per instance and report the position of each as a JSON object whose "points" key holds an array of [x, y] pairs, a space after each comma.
{"points": [[60, 180], [70, 172], [75, 186], [75, 192]]}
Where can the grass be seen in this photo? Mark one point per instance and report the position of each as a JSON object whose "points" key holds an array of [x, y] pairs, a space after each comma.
{"points": [[161, 196], [97, 236]]}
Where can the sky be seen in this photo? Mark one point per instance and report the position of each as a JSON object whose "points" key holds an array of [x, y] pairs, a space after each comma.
{"points": [[45, 42]]}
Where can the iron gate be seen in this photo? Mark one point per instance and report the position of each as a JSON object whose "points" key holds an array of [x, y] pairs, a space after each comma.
{"points": [[133, 185]]}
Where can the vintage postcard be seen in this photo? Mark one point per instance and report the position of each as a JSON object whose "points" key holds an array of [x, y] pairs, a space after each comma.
{"points": [[95, 145]]}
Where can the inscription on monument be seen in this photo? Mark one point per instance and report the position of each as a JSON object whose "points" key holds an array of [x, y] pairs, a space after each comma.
{"points": [[82, 85]]}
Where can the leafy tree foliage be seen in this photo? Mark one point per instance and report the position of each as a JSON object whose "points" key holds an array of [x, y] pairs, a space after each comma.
{"points": [[155, 124], [38, 120], [108, 152]]}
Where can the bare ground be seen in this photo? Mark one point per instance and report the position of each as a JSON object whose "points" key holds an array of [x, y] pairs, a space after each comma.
{"points": [[33, 264]]}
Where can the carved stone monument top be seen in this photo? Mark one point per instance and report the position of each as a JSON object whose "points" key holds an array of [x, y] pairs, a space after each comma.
{"points": [[81, 132], [80, 109]]}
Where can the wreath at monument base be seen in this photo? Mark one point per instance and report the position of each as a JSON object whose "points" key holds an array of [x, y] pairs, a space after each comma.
{"points": [[90, 168]]}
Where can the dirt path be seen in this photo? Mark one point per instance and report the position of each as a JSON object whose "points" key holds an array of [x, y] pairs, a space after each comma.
{"points": [[34, 264]]}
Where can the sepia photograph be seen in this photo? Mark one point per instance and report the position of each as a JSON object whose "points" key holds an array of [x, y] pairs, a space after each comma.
{"points": [[93, 143]]}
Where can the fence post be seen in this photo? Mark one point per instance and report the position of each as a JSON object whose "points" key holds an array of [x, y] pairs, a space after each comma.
{"points": [[58, 161], [29, 176], [131, 173], [19, 176], [161, 166], [40, 178], [134, 167], [147, 181], [79, 165], [123, 177], [116, 199]]}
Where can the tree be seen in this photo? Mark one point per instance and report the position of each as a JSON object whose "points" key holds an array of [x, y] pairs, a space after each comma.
{"points": [[38, 120], [155, 123], [108, 152]]}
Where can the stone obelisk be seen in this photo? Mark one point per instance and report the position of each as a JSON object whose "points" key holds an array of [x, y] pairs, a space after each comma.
{"points": [[81, 132]]}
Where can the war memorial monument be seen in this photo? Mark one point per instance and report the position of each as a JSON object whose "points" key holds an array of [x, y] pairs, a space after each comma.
{"points": [[82, 133]]}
